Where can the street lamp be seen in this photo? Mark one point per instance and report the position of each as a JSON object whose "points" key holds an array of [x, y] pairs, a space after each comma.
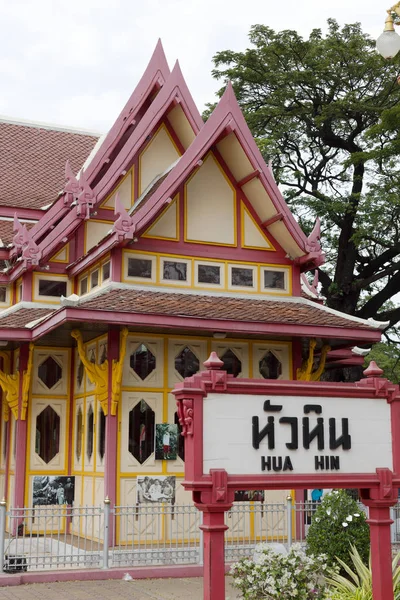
{"points": [[388, 43]]}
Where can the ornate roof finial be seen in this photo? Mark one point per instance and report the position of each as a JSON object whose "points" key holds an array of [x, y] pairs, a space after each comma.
{"points": [[85, 197], [124, 226], [31, 252], [71, 187], [18, 230], [314, 237]]}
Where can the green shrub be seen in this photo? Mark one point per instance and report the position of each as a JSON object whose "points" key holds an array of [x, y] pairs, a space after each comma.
{"points": [[337, 524], [357, 585], [273, 576]]}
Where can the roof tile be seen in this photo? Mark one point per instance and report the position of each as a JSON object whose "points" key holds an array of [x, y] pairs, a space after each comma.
{"points": [[18, 319], [33, 160], [218, 307]]}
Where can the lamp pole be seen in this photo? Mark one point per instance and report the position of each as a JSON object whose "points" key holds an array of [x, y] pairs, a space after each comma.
{"points": [[388, 43]]}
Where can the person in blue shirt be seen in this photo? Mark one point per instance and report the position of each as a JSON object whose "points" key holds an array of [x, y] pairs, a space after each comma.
{"points": [[316, 495]]}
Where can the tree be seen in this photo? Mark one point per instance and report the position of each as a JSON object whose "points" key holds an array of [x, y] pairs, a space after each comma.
{"points": [[325, 111], [387, 357]]}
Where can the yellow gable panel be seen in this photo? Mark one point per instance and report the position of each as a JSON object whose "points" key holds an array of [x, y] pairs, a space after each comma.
{"points": [[158, 155], [124, 190], [94, 232], [62, 256], [252, 236], [181, 126], [210, 206], [166, 226]]}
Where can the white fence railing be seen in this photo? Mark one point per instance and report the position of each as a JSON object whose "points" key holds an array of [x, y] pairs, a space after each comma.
{"points": [[65, 537]]}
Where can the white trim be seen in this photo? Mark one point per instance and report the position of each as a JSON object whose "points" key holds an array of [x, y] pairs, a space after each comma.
{"points": [[360, 351], [93, 153], [20, 219], [49, 126], [19, 305]]}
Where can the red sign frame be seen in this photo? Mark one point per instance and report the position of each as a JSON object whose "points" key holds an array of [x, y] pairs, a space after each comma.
{"points": [[213, 492]]}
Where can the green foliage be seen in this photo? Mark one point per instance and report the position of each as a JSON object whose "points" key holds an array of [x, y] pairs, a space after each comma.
{"points": [[387, 357], [274, 576], [357, 584], [326, 110], [337, 524]]}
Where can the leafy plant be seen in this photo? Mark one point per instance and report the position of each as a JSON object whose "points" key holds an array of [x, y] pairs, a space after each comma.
{"points": [[357, 584], [292, 576], [338, 523], [325, 110]]}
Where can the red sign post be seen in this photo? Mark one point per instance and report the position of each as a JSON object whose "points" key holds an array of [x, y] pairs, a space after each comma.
{"points": [[247, 434]]}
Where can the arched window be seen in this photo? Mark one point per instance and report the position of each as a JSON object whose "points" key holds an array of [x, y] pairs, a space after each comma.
{"points": [[143, 361], [49, 372], [186, 362], [232, 364], [89, 434], [270, 366], [141, 431], [47, 444]]}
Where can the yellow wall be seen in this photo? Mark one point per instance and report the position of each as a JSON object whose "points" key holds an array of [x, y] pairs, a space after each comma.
{"points": [[158, 155], [210, 201], [94, 232]]}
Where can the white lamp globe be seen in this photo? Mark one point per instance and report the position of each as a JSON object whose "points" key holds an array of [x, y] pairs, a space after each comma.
{"points": [[388, 44]]}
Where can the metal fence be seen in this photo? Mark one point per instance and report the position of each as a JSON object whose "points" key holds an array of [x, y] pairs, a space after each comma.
{"points": [[62, 537]]}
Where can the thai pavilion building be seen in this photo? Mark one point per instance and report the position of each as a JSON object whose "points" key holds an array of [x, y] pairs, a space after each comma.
{"points": [[167, 239]]}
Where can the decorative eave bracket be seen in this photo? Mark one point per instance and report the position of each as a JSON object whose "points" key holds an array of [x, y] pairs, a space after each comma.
{"points": [[124, 226], [23, 241], [78, 193], [98, 374], [117, 370], [305, 372], [9, 383]]}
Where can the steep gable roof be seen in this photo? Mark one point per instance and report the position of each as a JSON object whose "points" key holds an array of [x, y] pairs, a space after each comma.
{"points": [[154, 77], [175, 90], [227, 120]]}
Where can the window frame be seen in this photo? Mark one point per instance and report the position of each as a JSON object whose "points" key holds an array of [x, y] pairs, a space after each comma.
{"points": [[287, 279], [144, 280], [209, 263], [6, 301], [93, 272], [47, 277], [243, 288], [176, 282], [107, 262]]}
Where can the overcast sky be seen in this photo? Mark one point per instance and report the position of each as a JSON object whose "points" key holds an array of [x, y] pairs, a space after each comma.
{"points": [[77, 62]]}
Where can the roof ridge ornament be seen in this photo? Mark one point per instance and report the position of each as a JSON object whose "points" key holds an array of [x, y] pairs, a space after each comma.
{"points": [[18, 239], [313, 240], [31, 252], [85, 197], [124, 225], [71, 187]]}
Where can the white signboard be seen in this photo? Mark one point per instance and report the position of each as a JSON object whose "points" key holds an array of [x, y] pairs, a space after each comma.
{"points": [[255, 434]]}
